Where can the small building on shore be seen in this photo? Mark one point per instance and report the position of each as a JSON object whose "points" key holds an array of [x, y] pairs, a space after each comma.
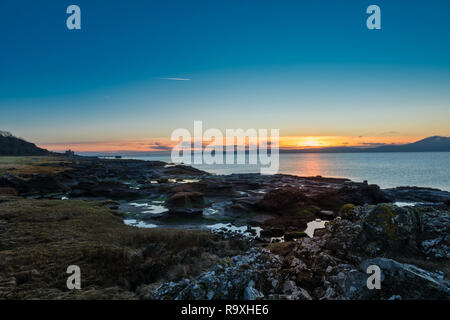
{"points": [[69, 153]]}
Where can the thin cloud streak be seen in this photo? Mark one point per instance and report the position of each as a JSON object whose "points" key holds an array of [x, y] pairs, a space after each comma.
{"points": [[176, 79]]}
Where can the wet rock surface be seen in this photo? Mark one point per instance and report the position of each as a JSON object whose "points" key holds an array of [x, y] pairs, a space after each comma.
{"points": [[417, 194]]}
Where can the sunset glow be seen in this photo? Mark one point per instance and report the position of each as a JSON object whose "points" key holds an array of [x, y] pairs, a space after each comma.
{"points": [[164, 145]]}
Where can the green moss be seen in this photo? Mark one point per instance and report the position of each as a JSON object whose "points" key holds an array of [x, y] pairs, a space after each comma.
{"points": [[387, 216], [278, 247], [347, 210], [307, 213]]}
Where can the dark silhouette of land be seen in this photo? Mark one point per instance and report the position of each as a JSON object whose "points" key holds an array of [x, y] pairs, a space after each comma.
{"points": [[13, 146]]}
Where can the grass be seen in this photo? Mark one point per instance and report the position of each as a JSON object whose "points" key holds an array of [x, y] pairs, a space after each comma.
{"points": [[24, 166], [39, 239]]}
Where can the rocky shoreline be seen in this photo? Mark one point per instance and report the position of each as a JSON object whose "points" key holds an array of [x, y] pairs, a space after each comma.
{"points": [[268, 255]]}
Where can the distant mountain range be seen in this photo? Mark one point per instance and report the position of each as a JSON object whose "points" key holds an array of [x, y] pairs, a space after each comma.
{"points": [[430, 144], [13, 146]]}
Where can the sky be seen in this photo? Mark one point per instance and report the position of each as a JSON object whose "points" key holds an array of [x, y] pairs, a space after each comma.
{"points": [[137, 70]]}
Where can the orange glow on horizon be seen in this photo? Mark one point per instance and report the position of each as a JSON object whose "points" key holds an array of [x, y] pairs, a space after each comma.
{"points": [[287, 142]]}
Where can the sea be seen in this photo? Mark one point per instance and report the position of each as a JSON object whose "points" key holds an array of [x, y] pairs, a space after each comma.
{"points": [[387, 169]]}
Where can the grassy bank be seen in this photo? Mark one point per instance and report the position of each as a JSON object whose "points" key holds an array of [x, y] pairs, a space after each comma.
{"points": [[39, 239], [23, 166]]}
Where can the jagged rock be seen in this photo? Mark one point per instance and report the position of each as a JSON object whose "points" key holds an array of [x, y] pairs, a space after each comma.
{"points": [[293, 292], [408, 281], [250, 293], [434, 235], [243, 276]]}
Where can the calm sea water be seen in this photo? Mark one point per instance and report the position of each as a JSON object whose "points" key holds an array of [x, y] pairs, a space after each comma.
{"points": [[393, 169]]}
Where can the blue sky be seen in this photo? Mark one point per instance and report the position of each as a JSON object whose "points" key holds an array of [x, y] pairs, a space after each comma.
{"points": [[310, 68]]}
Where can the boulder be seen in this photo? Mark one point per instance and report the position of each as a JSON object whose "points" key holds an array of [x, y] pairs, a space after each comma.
{"points": [[391, 227], [185, 199], [283, 200]]}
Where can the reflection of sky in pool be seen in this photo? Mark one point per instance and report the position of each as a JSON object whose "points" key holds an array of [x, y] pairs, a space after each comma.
{"points": [[404, 204], [139, 224], [313, 225], [228, 227]]}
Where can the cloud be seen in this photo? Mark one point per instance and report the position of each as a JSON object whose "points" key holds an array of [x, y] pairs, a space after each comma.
{"points": [[176, 79], [389, 133], [158, 146]]}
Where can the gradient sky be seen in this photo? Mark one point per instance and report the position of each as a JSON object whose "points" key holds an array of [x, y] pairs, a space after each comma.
{"points": [[137, 70]]}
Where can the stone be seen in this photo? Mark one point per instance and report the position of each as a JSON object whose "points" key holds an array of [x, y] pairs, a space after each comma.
{"points": [[185, 199]]}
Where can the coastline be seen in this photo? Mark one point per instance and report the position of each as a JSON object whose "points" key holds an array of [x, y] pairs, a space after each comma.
{"points": [[362, 223], [388, 170]]}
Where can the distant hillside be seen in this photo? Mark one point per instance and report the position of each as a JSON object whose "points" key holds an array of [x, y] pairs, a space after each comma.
{"points": [[13, 146], [435, 143], [430, 144]]}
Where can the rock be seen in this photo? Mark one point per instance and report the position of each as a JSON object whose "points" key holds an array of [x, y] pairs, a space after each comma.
{"points": [[227, 279], [273, 232], [408, 281], [8, 191], [347, 211], [347, 283], [39, 184], [394, 228], [250, 293], [434, 236], [294, 235], [361, 194], [319, 232], [210, 186], [283, 200], [293, 292], [259, 219], [185, 199], [105, 189], [417, 194]]}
